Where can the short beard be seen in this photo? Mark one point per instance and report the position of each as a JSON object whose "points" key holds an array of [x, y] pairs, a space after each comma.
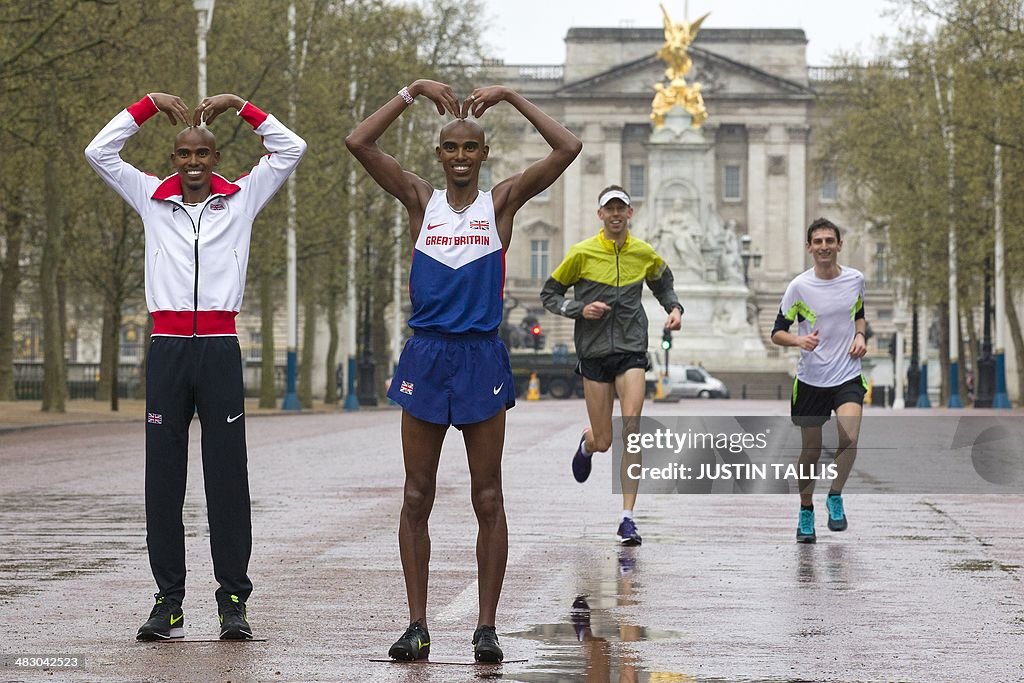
{"points": [[192, 184]]}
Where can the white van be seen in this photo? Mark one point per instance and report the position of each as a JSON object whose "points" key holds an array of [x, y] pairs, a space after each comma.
{"points": [[691, 381]]}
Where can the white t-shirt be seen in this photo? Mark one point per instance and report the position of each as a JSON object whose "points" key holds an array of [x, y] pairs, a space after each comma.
{"points": [[829, 306]]}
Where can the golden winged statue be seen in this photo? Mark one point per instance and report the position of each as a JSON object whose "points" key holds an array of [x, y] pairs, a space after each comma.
{"points": [[675, 54], [675, 51]]}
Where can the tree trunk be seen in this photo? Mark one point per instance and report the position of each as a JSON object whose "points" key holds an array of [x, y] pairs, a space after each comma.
{"points": [[54, 372], [107, 361], [308, 346], [1013, 322], [267, 393], [943, 318], [115, 355], [10, 279], [331, 392]]}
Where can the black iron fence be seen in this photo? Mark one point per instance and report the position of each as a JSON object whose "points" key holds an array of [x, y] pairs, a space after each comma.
{"points": [[84, 378]]}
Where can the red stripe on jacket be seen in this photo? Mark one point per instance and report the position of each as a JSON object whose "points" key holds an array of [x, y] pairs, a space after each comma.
{"points": [[205, 323], [143, 110]]}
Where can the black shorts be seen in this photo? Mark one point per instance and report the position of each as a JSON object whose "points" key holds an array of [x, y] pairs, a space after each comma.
{"points": [[607, 368], [812, 406]]}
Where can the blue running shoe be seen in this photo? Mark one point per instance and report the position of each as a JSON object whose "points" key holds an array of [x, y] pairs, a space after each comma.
{"points": [[582, 461], [627, 533], [805, 527], [836, 514]]}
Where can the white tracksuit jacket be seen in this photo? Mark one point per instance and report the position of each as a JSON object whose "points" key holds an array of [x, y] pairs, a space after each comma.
{"points": [[195, 271]]}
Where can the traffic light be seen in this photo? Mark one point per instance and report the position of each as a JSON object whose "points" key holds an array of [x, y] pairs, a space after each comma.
{"points": [[534, 333], [537, 335], [666, 339]]}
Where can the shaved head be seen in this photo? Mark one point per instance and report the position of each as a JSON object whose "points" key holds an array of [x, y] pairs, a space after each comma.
{"points": [[463, 126], [197, 134]]}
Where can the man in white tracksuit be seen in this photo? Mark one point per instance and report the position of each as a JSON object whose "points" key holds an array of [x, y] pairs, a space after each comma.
{"points": [[197, 226]]}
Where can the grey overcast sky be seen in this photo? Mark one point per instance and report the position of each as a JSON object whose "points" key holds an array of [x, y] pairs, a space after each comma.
{"points": [[533, 31]]}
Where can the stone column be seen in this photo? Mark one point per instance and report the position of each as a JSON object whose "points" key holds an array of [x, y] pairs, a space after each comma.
{"points": [[612, 157], [572, 210], [798, 136], [711, 191], [757, 188]]}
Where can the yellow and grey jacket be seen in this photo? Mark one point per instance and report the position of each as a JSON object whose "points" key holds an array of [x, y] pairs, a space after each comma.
{"points": [[598, 271]]}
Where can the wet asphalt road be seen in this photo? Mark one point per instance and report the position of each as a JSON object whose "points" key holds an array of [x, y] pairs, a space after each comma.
{"points": [[922, 587]]}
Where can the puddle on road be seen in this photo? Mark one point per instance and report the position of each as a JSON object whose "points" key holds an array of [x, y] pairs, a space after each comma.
{"points": [[593, 647], [597, 641], [593, 643]]}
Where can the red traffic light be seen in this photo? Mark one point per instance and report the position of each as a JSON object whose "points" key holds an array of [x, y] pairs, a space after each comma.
{"points": [[535, 330]]}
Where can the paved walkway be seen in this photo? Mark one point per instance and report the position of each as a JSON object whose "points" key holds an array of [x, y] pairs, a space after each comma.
{"points": [[923, 587]]}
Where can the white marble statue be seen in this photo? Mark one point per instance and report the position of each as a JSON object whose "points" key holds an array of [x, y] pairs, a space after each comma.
{"points": [[678, 238], [730, 263]]}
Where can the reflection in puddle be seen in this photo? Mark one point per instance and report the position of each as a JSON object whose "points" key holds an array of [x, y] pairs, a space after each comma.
{"points": [[593, 644], [828, 565]]}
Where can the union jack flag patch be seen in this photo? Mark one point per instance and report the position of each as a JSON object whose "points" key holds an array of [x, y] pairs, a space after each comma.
{"points": [[479, 225], [154, 418], [406, 388]]}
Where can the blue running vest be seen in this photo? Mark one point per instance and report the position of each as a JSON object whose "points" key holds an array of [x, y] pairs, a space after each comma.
{"points": [[457, 279]]}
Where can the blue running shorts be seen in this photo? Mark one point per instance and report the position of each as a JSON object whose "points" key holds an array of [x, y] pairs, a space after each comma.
{"points": [[453, 379]]}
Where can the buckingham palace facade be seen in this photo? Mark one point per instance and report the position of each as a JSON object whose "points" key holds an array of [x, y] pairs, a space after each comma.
{"points": [[764, 171]]}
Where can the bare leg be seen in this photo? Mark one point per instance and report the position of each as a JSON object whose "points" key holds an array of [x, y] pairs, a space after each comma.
{"points": [[848, 417], [630, 387], [485, 442], [600, 398], [421, 446], [810, 452]]}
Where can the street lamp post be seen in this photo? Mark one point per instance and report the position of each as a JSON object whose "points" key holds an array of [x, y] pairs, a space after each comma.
{"points": [[914, 371], [204, 15], [1001, 398], [367, 390], [985, 380], [291, 397]]}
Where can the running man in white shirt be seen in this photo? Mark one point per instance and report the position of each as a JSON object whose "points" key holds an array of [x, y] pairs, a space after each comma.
{"points": [[827, 303]]}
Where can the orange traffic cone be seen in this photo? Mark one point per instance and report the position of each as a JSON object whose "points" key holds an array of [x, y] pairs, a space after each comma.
{"points": [[533, 392]]}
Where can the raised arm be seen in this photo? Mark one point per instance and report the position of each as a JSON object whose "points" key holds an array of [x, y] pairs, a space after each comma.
{"points": [[104, 152], [510, 194], [285, 147], [408, 187]]}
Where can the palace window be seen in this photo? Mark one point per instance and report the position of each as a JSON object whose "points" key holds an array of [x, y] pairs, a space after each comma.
{"points": [[829, 186], [637, 185], [732, 187], [540, 261]]}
